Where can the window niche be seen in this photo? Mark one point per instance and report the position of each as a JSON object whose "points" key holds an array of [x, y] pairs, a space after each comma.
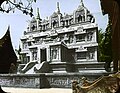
{"points": [[24, 59], [71, 21], [24, 45], [79, 16], [89, 36], [80, 38], [33, 27], [55, 23], [70, 38], [81, 55], [66, 23], [54, 53], [37, 40], [62, 23], [34, 54], [91, 53]]}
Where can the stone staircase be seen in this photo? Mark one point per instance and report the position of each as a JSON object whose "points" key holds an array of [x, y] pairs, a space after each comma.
{"points": [[34, 67]]}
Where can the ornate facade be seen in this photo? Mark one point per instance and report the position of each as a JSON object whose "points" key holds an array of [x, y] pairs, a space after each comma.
{"points": [[65, 41]]}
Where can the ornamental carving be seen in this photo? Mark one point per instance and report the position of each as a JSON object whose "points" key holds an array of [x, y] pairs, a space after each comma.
{"points": [[80, 29], [105, 84]]}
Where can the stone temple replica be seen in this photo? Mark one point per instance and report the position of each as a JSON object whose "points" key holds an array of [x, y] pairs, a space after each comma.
{"points": [[62, 43]]}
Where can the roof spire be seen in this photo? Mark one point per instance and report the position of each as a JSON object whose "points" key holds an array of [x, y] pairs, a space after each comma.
{"points": [[81, 3], [9, 27], [58, 9], [38, 14]]}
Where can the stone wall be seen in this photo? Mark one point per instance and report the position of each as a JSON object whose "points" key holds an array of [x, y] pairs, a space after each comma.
{"points": [[47, 80], [64, 80], [24, 80]]}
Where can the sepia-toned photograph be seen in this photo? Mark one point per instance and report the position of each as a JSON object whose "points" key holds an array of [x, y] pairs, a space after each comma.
{"points": [[59, 46]]}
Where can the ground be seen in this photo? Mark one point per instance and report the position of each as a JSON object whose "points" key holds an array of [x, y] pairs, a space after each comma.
{"points": [[30, 90]]}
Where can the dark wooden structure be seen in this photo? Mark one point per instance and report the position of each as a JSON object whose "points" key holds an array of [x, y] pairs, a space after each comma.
{"points": [[7, 54], [112, 8], [1, 1], [2, 91]]}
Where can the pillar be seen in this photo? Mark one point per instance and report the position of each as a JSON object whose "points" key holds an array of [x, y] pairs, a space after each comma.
{"points": [[74, 17], [38, 57], [59, 19], [96, 54], [48, 54], [59, 53], [30, 56]]}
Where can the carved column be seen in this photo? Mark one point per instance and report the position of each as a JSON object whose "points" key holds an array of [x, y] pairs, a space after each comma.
{"points": [[30, 56], [85, 14], [38, 57], [74, 39], [48, 54]]}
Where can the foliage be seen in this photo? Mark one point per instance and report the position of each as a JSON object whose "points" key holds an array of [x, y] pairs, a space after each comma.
{"points": [[105, 45], [10, 5], [101, 37]]}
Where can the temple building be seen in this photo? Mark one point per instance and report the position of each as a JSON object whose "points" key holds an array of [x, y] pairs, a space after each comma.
{"points": [[61, 43]]}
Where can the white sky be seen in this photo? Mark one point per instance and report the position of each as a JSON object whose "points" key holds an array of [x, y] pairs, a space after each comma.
{"points": [[18, 21]]}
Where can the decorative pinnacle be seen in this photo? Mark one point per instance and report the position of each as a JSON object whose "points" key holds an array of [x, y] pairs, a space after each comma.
{"points": [[81, 3], [58, 9], [38, 14]]}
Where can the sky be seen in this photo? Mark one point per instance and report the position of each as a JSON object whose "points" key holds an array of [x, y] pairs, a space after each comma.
{"points": [[18, 21]]}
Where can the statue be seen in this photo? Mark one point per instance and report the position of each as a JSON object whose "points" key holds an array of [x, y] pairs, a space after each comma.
{"points": [[104, 84], [75, 87]]}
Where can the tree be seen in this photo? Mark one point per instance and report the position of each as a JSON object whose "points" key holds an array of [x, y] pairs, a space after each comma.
{"points": [[101, 37], [10, 5], [105, 46]]}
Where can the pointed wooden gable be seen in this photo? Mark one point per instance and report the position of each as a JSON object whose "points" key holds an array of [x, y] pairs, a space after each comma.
{"points": [[7, 54]]}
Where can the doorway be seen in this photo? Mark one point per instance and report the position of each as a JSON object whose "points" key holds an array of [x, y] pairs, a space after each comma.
{"points": [[43, 54]]}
